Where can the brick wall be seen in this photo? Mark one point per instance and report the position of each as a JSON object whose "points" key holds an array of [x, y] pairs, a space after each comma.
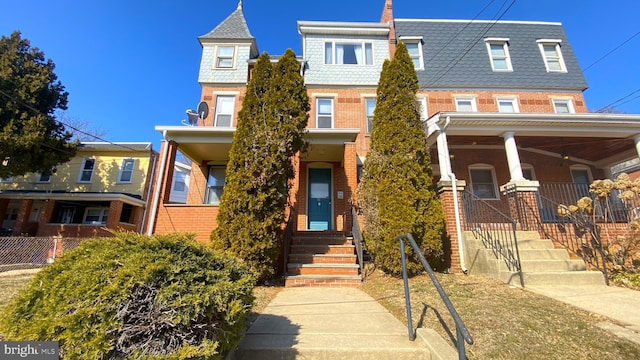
{"points": [[197, 219]]}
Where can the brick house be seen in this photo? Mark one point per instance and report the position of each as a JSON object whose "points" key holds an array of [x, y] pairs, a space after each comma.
{"points": [[105, 186], [502, 104]]}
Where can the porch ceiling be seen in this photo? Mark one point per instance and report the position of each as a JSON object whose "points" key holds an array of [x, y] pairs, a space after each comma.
{"points": [[328, 144]]}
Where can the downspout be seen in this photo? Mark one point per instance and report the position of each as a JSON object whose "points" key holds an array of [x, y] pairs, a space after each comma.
{"points": [[156, 195], [148, 195], [456, 208]]}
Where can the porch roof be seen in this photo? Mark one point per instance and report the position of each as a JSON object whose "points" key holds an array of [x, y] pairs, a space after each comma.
{"points": [[598, 139], [200, 143], [75, 196]]}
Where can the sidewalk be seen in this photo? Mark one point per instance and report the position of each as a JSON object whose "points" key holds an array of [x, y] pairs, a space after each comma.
{"points": [[334, 323], [618, 304]]}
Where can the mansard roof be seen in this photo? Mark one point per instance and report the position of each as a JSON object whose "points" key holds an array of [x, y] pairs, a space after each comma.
{"points": [[455, 54]]}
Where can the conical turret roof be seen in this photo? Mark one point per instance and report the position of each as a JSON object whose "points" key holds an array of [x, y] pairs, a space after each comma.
{"points": [[233, 27]]}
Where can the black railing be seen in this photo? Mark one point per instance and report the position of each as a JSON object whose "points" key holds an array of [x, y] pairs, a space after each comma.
{"points": [[288, 235], [462, 333], [357, 238], [574, 231], [496, 230]]}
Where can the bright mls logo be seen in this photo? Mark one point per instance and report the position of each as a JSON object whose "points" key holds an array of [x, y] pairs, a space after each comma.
{"points": [[45, 350]]}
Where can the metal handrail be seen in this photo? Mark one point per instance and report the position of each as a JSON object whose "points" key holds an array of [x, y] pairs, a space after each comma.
{"points": [[462, 333], [557, 232], [357, 237], [288, 235], [496, 230]]}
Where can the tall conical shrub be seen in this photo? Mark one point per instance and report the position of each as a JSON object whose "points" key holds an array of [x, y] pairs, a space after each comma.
{"points": [[269, 133], [396, 193]]}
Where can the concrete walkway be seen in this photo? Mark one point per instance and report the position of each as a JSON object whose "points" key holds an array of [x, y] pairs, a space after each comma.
{"points": [[334, 323], [618, 304]]}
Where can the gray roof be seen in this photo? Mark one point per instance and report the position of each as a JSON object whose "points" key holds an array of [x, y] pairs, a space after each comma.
{"points": [[233, 27], [445, 41]]}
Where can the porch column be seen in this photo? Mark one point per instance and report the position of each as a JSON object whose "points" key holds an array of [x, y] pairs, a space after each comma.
{"points": [[115, 211], [454, 252], [444, 160], [636, 139], [46, 217], [4, 205], [22, 221], [350, 166], [513, 159]]}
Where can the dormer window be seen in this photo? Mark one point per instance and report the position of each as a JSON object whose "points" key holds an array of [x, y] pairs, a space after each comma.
{"points": [[552, 55], [498, 49], [414, 47], [225, 56], [348, 53]]}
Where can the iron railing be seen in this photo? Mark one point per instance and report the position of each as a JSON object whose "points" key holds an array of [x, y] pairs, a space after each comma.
{"points": [[574, 231], [496, 230], [357, 238], [462, 333], [288, 236]]}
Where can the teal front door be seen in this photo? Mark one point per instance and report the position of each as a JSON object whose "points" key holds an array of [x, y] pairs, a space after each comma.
{"points": [[319, 199]]}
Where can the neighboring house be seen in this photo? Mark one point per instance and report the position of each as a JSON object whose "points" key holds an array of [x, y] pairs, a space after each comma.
{"points": [[502, 103], [180, 183], [104, 186]]}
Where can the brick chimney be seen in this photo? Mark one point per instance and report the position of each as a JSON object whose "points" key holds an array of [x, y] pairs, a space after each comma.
{"points": [[387, 17]]}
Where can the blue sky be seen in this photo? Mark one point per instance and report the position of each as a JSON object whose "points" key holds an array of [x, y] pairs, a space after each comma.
{"points": [[131, 65]]}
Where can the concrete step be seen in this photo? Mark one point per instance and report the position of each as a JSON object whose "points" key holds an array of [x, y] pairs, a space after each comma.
{"points": [[322, 258], [535, 244], [553, 265], [543, 254], [322, 280], [322, 249], [322, 269], [557, 278]]}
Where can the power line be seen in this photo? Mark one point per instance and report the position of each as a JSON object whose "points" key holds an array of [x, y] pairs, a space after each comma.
{"points": [[474, 41], [610, 52], [63, 123], [617, 102]]}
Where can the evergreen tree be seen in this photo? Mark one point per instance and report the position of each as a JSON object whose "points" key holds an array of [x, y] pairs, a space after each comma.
{"points": [[396, 193], [269, 133], [31, 140]]}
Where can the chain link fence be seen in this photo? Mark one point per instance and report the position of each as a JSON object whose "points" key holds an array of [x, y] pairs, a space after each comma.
{"points": [[21, 252]]}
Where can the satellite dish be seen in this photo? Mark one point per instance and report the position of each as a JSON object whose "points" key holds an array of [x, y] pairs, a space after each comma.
{"points": [[203, 110]]}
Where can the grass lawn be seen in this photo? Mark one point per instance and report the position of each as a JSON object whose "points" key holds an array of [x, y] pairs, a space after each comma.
{"points": [[505, 322]]}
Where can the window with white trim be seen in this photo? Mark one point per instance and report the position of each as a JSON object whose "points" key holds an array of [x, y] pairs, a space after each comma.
{"points": [[552, 55], [180, 181], [95, 215], [44, 177], [563, 106], [483, 182], [350, 53], [507, 105], [414, 47], [466, 104], [126, 171], [528, 172], [499, 54], [422, 106], [225, 57], [225, 105], [370, 107], [86, 170], [215, 184], [324, 113]]}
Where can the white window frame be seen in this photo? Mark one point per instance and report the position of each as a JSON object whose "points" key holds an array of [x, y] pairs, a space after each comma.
{"points": [[103, 215], [472, 99], [494, 180], [44, 177], [208, 199], [422, 107], [512, 100], [369, 117], [332, 114], [332, 58], [218, 57], [530, 168], [418, 62], [560, 59], [219, 108], [83, 170], [123, 170], [180, 177], [568, 102], [504, 42]]}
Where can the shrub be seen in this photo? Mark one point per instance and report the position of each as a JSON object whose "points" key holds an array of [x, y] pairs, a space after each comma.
{"points": [[135, 296], [396, 194]]}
